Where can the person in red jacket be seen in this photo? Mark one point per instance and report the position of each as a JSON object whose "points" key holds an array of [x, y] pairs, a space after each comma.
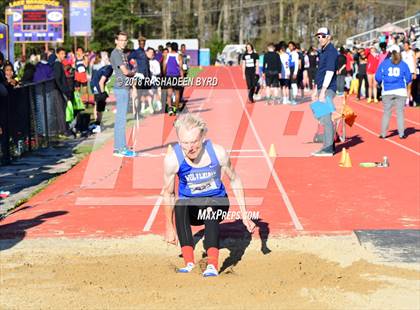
{"points": [[372, 66]]}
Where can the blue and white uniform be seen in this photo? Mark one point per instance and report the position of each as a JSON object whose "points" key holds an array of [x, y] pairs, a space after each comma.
{"points": [[285, 67], [199, 182], [395, 77]]}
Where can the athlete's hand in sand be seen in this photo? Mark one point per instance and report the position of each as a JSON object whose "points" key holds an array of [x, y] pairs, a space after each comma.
{"points": [[250, 225], [171, 236]]}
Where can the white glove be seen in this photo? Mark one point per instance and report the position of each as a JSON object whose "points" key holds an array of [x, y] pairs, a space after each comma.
{"points": [[139, 75]]}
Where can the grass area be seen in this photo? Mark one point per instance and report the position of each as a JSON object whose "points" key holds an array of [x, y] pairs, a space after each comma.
{"points": [[38, 190], [194, 71]]}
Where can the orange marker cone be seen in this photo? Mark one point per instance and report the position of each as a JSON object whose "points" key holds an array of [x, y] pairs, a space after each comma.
{"points": [[272, 151], [347, 161], [343, 157]]}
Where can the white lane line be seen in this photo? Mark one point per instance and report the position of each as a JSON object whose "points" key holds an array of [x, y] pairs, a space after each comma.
{"points": [[389, 140], [150, 155], [279, 185], [393, 114], [153, 214], [155, 210], [244, 150], [246, 156]]}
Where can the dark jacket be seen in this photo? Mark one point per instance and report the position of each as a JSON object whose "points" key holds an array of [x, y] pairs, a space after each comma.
{"points": [[60, 79]]}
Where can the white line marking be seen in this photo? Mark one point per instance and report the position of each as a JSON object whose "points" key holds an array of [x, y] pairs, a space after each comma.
{"points": [[393, 114], [150, 155], [246, 156], [153, 214], [145, 201], [280, 187], [389, 140], [244, 150]]}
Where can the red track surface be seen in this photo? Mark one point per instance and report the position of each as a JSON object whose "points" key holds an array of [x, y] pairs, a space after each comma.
{"points": [[302, 195]]}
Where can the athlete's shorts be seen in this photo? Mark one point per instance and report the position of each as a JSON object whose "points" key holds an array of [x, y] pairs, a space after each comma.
{"points": [[79, 84], [80, 79], [194, 205], [100, 100], [272, 79], [285, 82]]}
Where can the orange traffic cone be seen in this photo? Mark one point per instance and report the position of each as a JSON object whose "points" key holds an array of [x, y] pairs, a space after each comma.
{"points": [[343, 156], [347, 161]]}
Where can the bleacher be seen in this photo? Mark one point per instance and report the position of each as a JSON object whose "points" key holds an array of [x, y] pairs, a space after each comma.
{"points": [[370, 37]]}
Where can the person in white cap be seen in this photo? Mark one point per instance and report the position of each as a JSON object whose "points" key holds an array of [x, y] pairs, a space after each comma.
{"points": [[326, 82], [395, 76]]}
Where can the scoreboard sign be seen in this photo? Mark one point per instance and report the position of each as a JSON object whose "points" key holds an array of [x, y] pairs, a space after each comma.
{"points": [[37, 21]]}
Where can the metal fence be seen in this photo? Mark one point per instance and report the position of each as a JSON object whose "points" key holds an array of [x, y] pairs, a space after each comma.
{"points": [[30, 115]]}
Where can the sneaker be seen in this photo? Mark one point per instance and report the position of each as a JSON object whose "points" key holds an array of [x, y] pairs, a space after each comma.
{"points": [[171, 111], [323, 153], [186, 269], [97, 129], [381, 137], [150, 110], [403, 137], [369, 100], [257, 97], [124, 153], [210, 271], [92, 127], [375, 100], [4, 194], [293, 102]]}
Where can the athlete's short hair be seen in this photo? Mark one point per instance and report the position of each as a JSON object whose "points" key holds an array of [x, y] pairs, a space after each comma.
{"points": [[59, 49], [190, 121], [282, 45], [271, 45], [120, 33], [174, 46]]}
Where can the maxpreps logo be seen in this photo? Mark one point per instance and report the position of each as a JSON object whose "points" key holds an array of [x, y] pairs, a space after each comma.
{"points": [[210, 214]]}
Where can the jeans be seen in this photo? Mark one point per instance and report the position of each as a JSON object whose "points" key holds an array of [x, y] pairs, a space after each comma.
{"points": [[340, 83], [328, 126], [391, 101], [122, 96]]}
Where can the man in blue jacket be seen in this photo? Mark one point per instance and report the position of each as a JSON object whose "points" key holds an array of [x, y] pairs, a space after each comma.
{"points": [[326, 82]]}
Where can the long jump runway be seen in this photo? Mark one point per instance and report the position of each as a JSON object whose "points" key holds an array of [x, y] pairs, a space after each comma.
{"points": [[105, 196]]}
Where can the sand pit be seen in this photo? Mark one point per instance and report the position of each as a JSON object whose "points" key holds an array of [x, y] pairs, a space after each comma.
{"points": [[139, 273]]}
